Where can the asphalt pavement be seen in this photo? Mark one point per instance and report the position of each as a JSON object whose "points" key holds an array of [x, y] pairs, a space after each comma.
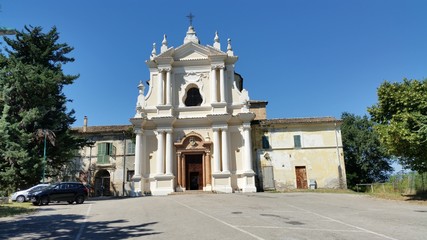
{"points": [[224, 216]]}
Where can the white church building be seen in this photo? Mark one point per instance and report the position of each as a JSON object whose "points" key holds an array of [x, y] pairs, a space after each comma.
{"points": [[193, 131], [193, 127]]}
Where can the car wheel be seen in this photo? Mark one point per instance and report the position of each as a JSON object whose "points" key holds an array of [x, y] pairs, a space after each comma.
{"points": [[70, 202], [80, 199], [44, 201], [20, 199]]}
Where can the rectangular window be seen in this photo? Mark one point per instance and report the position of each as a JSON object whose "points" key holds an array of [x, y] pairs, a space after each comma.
{"points": [[105, 151], [130, 174], [130, 147], [297, 141]]}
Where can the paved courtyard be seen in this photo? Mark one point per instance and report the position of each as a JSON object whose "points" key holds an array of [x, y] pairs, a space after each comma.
{"points": [[224, 216]]}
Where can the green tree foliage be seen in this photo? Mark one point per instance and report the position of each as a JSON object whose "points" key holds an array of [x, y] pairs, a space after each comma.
{"points": [[401, 114], [366, 161], [31, 98]]}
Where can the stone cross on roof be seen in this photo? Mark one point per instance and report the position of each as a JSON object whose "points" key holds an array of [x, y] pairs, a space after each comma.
{"points": [[190, 17]]}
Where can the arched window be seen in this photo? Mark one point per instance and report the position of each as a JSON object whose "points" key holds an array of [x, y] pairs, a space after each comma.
{"points": [[193, 97]]}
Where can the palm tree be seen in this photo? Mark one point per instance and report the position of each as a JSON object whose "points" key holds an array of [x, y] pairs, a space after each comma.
{"points": [[43, 135]]}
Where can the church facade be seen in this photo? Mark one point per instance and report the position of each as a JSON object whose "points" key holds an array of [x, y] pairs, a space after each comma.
{"points": [[193, 130], [193, 126]]}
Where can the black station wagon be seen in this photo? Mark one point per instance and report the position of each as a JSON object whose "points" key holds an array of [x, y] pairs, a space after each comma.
{"points": [[65, 191]]}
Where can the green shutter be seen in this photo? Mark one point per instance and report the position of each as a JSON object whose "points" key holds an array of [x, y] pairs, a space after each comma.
{"points": [[103, 157], [297, 141], [130, 147]]}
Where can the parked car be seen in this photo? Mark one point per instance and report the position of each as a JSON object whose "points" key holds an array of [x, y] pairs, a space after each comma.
{"points": [[22, 196], [65, 191]]}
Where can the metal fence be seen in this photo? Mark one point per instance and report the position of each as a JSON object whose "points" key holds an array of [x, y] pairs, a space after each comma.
{"points": [[403, 183]]}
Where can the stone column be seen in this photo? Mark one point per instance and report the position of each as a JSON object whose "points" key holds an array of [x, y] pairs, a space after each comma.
{"points": [[169, 155], [138, 154], [248, 147], [225, 151], [216, 151], [183, 179], [204, 169], [160, 88], [143, 154], [179, 179], [214, 90], [168, 88], [160, 152], [222, 84], [208, 169]]}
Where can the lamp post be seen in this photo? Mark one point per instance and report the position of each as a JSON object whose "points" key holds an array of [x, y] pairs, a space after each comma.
{"points": [[44, 155], [45, 134], [90, 143]]}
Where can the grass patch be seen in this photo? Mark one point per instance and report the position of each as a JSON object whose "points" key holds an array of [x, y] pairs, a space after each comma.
{"points": [[12, 209], [318, 190], [420, 198]]}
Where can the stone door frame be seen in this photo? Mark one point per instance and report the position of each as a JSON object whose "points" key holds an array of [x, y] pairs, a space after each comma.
{"points": [[193, 144]]}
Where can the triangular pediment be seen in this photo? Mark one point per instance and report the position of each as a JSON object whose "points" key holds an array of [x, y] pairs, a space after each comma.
{"points": [[194, 51]]}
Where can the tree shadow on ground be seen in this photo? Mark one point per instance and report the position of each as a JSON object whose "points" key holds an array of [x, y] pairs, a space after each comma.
{"points": [[420, 196], [72, 226]]}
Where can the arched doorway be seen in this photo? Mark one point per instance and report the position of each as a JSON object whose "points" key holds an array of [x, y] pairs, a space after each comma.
{"points": [[102, 183]]}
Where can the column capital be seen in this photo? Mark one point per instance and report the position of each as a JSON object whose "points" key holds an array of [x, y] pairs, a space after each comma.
{"points": [[246, 126], [164, 69], [138, 130], [163, 130], [223, 127], [157, 132], [217, 66]]}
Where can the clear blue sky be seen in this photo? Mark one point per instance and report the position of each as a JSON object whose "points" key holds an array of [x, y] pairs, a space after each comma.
{"points": [[307, 58]]}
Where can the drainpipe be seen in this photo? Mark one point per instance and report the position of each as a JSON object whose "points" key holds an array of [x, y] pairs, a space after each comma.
{"points": [[338, 157], [124, 164]]}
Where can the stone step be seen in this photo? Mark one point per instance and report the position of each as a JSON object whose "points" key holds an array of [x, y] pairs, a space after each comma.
{"points": [[192, 192]]}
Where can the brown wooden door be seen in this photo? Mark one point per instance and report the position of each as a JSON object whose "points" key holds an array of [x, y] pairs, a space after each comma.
{"points": [[194, 173], [301, 175]]}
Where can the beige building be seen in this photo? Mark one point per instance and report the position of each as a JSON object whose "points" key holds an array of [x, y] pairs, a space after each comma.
{"points": [[299, 153], [195, 128]]}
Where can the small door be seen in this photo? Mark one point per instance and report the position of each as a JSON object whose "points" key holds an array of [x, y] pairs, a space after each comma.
{"points": [[267, 177], [301, 175]]}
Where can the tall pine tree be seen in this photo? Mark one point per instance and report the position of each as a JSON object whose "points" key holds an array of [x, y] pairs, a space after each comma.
{"points": [[32, 98]]}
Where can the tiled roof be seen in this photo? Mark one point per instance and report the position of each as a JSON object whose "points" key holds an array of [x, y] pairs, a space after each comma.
{"points": [[301, 120], [103, 129]]}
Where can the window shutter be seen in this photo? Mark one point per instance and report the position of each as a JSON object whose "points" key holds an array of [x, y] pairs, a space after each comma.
{"points": [[113, 151], [297, 141], [130, 147], [105, 150], [102, 150]]}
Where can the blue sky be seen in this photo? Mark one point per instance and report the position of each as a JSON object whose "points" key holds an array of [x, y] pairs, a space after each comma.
{"points": [[307, 58]]}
